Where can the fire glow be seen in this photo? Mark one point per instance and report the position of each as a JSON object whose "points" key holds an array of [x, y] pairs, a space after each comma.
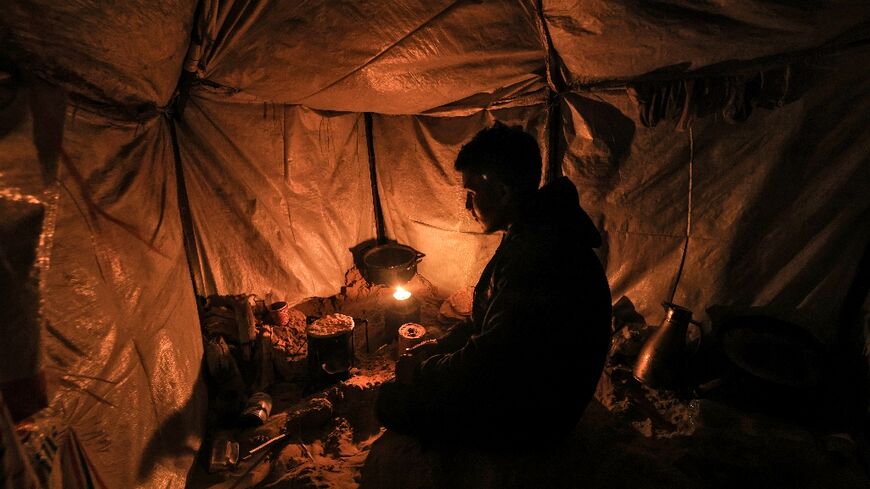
{"points": [[401, 294]]}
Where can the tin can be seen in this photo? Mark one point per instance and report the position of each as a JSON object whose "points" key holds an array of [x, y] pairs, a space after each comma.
{"points": [[257, 409], [224, 454], [410, 335], [280, 313]]}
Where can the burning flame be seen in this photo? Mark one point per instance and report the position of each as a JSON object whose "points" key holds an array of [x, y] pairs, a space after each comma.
{"points": [[401, 294]]}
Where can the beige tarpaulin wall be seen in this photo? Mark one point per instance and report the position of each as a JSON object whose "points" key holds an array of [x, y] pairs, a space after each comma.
{"points": [[115, 320], [257, 177], [779, 206], [120, 291], [623, 39], [119, 340], [273, 156], [369, 56]]}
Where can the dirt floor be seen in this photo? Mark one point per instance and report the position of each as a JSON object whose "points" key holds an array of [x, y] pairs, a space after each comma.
{"points": [[631, 436]]}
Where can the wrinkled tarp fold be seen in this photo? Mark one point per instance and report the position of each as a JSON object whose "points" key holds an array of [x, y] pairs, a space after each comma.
{"points": [[619, 40], [258, 176], [371, 56], [273, 156], [120, 316], [24, 200], [779, 207], [116, 320], [114, 54]]}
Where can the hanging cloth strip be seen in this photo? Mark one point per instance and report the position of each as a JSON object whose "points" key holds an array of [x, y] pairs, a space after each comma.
{"points": [[733, 97]]}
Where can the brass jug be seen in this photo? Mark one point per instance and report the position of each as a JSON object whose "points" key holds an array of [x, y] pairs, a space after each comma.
{"points": [[663, 359]]}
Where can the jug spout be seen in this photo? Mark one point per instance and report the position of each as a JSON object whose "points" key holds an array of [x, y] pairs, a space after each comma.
{"points": [[662, 360]]}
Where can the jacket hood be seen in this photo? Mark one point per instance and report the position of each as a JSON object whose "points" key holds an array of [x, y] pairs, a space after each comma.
{"points": [[556, 208]]}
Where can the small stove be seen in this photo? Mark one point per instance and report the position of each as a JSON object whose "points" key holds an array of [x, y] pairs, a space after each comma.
{"points": [[402, 308]]}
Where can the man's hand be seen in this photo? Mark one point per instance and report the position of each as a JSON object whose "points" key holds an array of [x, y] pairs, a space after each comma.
{"points": [[408, 361], [425, 349]]}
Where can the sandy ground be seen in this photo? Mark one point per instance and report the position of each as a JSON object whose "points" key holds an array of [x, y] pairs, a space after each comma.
{"points": [[345, 448], [630, 436]]}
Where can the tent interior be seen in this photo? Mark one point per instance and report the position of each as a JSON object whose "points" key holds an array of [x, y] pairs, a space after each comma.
{"points": [[162, 159]]}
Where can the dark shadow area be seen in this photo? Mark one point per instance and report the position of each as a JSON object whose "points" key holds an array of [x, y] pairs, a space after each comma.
{"points": [[13, 106], [604, 451], [399, 461], [170, 440], [845, 405], [22, 215], [624, 314], [760, 363], [781, 193], [609, 125]]}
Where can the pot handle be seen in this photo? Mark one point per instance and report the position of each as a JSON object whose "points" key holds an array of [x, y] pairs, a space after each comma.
{"points": [[701, 338], [417, 259]]}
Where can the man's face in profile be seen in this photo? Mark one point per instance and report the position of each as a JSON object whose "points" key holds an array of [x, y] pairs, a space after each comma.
{"points": [[485, 199]]}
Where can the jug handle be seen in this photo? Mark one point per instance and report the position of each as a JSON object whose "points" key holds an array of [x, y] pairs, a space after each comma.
{"points": [[700, 335]]}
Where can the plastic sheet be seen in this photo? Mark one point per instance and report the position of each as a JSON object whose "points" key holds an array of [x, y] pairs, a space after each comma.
{"points": [[387, 57], [116, 54], [121, 321], [115, 319], [605, 39], [278, 194], [778, 211]]}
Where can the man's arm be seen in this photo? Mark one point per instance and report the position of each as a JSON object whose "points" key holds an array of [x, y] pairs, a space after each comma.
{"points": [[456, 336], [517, 303]]}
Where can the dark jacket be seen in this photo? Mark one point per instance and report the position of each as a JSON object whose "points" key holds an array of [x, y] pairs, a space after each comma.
{"points": [[527, 362]]}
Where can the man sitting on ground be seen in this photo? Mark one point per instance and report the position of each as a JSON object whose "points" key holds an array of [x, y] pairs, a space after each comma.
{"points": [[525, 364]]}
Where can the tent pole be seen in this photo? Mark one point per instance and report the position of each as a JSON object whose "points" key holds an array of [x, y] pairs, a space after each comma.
{"points": [[376, 200], [556, 86], [187, 228], [553, 169]]}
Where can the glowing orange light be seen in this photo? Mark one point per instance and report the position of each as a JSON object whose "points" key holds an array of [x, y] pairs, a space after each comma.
{"points": [[401, 294]]}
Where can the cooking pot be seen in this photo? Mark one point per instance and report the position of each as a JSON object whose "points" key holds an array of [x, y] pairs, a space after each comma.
{"points": [[391, 264], [330, 349]]}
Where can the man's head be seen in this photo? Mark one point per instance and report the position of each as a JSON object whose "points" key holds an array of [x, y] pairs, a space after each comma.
{"points": [[501, 167]]}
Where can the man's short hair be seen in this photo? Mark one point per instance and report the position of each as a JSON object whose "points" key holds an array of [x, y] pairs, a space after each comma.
{"points": [[505, 152]]}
